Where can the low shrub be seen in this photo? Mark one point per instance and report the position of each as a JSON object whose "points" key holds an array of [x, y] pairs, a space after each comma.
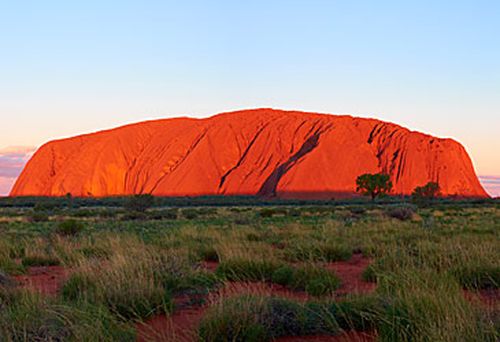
{"points": [[95, 252], [254, 318], [79, 287], [401, 213], [357, 313], [190, 214], [70, 228], [139, 203], [134, 216], [283, 275], [247, 270], [38, 216], [5, 280], [254, 237], [39, 260], [10, 267], [357, 210], [270, 212], [318, 251], [166, 214], [315, 280], [28, 317], [369, 274], [209, 254], [477, 276]]}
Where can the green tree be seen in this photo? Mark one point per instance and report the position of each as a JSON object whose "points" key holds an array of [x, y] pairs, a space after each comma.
{"points": [[423, 195], [374, 185]]}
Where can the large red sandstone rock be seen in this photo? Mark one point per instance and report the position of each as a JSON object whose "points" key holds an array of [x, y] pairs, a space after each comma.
{"points": [[264, 151]]}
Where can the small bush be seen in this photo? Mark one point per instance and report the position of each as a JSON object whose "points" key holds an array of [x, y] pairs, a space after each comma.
{"points": [[168, 214], [294, 212], [139, 203], [5, 280], [70, 228], [254, 237], [190, 214], [253, 318], [247, 270], [318, 251], [10, 267], [39, 260], [283, 275], [28, 317], [369, 274], [270, 212], [425, 195], [79, 287], [209, 254], [198, 280], [401, 213], [38, 216], [358, 210], [356, 313], [336, 252], [242, 220], [95, 252], [477, 276], [316, 281]]}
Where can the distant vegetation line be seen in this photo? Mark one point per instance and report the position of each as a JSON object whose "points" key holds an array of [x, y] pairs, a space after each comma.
{"points": [[222, 201]]}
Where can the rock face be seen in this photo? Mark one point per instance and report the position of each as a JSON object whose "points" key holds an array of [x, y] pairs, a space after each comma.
{"points": [[264, 151]]}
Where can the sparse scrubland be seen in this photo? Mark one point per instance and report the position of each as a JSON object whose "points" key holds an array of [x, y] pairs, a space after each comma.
{"points": [[248, 273]]}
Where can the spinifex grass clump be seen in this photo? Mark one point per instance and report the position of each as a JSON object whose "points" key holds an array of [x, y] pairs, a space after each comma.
{"points": [[315, 280], [40, 260], [70, 227], [260, 318], [137, 280], [131, 283], [25, 316], [240, 269], [479, 276], [318, 251], [257, 318], [7, 263], [403, 213], [425, 306]]}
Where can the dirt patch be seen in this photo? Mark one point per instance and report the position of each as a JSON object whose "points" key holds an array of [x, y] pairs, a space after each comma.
{"points": [[46, 280], [180, 326], [210, 266], [349, 336], [489, 298], [350, 272]]}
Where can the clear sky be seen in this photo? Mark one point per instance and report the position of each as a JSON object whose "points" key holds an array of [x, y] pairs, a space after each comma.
{"points": [[68, 67]]}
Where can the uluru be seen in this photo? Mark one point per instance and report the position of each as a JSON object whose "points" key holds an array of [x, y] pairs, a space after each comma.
{"points": [[267, 152]]}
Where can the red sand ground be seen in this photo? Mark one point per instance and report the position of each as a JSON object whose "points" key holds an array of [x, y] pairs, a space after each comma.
{"points": [[349, 336], [488, 298], [210, 265], [350, 272], [44, 279]]}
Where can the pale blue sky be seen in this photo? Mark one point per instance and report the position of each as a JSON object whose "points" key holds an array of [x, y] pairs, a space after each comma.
{"points": [[68, 67]]}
